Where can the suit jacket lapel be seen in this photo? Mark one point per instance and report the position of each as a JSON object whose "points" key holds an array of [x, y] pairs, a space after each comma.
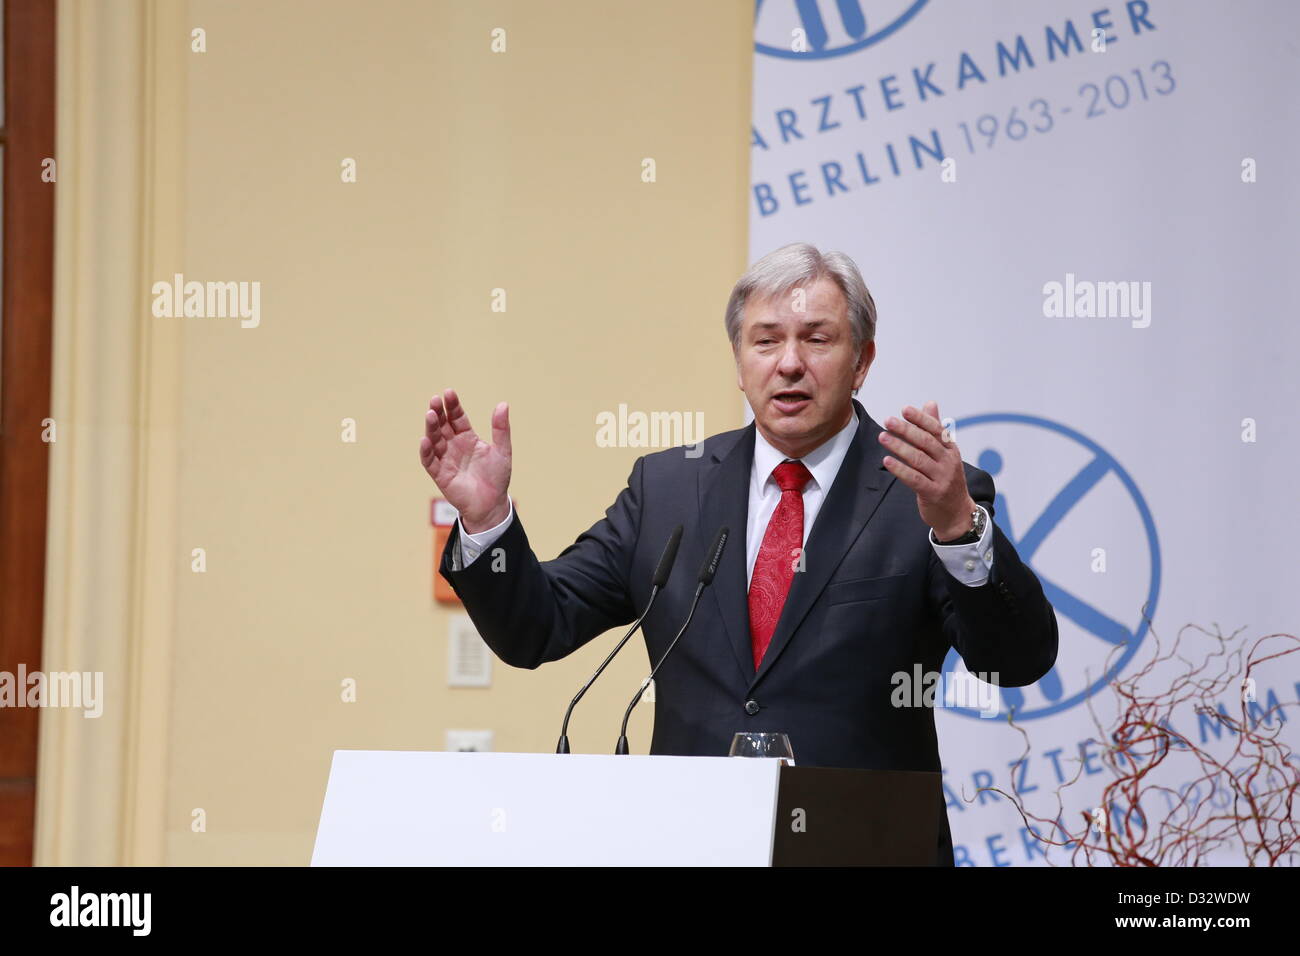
{"points": [[854, 496], [724, 500]]}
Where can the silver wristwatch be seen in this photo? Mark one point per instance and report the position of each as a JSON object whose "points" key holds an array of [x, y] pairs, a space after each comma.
{"points": [[979, 518]]}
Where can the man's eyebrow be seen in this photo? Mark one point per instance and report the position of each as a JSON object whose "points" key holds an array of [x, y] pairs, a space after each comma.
{"points": [[806, 323]]}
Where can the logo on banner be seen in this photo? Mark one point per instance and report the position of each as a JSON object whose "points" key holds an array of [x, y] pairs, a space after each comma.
{"points": [[830, 27], [1078, 520]]}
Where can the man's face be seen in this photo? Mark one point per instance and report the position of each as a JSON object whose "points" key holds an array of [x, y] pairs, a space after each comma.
{"points": [[799, 368]]}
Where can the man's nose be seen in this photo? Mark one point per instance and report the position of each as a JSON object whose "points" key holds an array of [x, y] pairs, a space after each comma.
{"points": [[791, 364]]}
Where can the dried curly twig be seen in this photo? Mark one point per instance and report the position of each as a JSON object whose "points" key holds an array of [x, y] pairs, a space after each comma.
{"points": [[1259, 774]]}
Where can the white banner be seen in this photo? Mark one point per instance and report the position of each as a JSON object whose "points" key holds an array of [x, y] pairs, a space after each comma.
{"points": [[1081, 236]]}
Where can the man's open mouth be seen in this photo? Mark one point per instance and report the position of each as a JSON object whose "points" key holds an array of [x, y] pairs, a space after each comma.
{"points": [[791, 399]]}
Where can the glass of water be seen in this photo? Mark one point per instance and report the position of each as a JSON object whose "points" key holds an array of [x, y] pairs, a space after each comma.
{"points": [[746, 744]]}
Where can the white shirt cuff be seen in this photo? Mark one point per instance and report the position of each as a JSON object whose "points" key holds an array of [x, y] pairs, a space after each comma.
{"points": [[971, 564], [472, 545]]}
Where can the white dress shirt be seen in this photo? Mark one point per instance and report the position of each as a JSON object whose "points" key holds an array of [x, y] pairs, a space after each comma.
{"points": [[970, 564]]}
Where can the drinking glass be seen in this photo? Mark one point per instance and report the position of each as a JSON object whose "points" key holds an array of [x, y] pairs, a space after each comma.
{"points": [[750, 744]]}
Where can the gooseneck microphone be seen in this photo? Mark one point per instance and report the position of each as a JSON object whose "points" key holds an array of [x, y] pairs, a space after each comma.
{"points": [[707, 571], [662, 570]]}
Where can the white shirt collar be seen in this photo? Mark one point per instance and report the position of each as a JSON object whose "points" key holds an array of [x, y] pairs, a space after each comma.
{"points": [[823, 461]]}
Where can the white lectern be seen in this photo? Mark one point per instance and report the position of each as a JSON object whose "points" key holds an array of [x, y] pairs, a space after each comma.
{"points": [[407, 808]]}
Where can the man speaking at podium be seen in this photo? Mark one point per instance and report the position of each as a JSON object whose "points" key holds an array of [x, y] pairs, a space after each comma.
{"points": [[857, 552]]}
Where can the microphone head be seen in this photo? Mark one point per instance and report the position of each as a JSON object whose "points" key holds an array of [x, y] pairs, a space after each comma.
{"points": [[713, 556], [668, 558]]}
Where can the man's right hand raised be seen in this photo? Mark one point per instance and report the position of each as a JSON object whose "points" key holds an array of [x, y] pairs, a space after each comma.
{"points": [[471, 474]]}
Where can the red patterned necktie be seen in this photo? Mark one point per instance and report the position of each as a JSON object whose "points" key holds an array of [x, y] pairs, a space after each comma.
{"points": [[777, 557]]}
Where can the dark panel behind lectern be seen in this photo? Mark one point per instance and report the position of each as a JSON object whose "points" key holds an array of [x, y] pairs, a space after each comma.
{"points": [[857, 817]]}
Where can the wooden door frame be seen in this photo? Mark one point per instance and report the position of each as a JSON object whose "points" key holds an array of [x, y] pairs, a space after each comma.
{"points": [[25, 366]]}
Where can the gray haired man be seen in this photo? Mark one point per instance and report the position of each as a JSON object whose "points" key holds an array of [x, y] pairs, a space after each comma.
{"points": [[869, 551]]}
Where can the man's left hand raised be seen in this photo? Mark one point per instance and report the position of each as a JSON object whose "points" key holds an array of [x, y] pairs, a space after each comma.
{"points": [[927, 461]]}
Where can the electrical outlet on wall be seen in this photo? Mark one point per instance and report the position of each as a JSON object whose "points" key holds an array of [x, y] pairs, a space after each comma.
{"points": [[469, 741]]}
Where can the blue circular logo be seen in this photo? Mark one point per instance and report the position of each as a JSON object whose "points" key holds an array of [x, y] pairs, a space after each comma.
{"points": [[828, 29], [1058, 494]]}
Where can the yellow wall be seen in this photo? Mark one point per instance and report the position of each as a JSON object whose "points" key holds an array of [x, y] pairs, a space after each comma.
{"points": [[475, 171]]}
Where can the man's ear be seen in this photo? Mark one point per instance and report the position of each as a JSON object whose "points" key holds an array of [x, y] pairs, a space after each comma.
{"points": [[865, 358]]}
